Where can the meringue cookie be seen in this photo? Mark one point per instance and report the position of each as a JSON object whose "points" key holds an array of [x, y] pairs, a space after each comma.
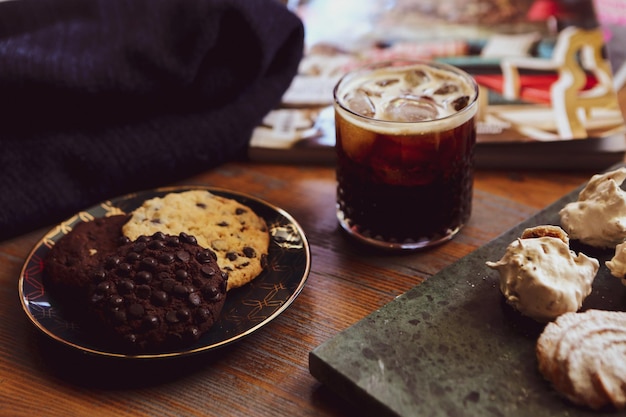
{"points": [[598, 218], [543, 279], [617, 264]]}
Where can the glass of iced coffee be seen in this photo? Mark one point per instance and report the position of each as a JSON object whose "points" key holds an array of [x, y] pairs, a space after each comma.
{"points": [[405, 141]]}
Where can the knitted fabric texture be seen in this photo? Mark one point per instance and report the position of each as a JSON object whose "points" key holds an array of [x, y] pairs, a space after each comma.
{"points": [[106, 97]]}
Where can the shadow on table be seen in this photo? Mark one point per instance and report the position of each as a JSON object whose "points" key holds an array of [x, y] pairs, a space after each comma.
{"points": [[89, 370]]}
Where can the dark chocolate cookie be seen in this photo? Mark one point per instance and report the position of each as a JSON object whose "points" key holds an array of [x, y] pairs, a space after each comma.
{"points": [[160, 291], [69, 260]]}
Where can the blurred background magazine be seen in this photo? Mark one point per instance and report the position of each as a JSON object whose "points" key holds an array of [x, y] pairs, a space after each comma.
{"points": [[520, 52]]}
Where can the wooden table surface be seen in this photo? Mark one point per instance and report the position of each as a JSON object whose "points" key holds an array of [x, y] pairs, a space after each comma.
{"points": [[265, 374]]}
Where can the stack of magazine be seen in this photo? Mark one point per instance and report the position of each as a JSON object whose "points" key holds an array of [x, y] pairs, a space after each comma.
{"points": [[549, 74]]}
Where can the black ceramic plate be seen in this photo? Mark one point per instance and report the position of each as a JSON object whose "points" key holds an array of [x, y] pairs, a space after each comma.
{"points": [[246, 310]]}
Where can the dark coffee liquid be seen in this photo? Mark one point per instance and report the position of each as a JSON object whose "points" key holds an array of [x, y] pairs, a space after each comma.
{"points": [[407, 187]]}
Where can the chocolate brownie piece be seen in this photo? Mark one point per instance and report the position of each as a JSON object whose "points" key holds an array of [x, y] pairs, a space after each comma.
{"points": [[69, 260], [157, 292]]}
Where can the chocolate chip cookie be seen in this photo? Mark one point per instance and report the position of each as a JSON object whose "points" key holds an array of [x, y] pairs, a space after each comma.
{"points": [[76, 253], [157, 292], [239, 237]]}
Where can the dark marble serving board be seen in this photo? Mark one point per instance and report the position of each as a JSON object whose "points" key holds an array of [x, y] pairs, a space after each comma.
{"points": [[452, 347]]}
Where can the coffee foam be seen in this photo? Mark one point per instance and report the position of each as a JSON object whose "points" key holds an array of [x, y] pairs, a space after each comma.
{"points": [[384, 84]]}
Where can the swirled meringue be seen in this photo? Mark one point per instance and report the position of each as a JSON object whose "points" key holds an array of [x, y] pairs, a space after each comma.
{"points": [[617, 264], [598, 218], [542, 278], [582, 355]]}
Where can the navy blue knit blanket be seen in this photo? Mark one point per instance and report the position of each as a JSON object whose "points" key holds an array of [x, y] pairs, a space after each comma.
{"points": [[104, 97]]}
